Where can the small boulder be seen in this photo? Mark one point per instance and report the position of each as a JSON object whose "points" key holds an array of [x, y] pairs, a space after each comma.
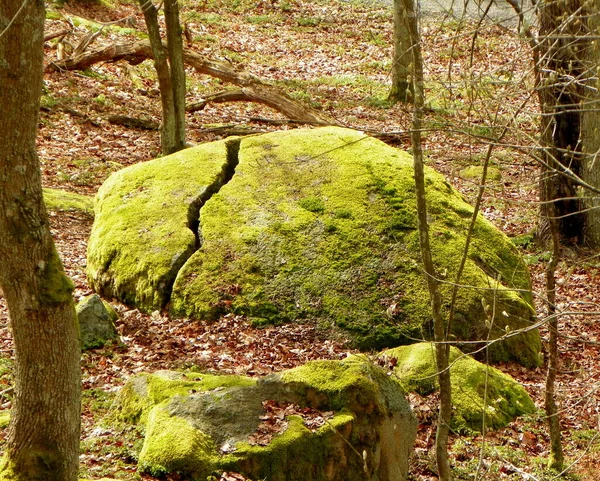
{"points": [[96, 322], [499, 404], [326, 420]]}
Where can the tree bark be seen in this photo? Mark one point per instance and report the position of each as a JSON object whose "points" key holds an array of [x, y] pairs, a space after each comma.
{"points": [[168, 132], [590, 128], [556, 458], [439, 330], [177, 70], [43, 436], [561, 39], [402, 88]]}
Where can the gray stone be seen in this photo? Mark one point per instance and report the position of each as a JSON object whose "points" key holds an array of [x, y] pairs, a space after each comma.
{"points": [[202, 424], [96, 322]]}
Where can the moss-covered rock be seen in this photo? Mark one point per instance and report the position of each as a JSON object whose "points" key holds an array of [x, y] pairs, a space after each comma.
{"points": [[474, 386], [96, 322], [146, 224], [317, 224], [200, 424]]}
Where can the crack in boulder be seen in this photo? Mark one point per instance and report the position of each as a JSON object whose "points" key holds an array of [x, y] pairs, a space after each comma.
{"points": [[147, 222], [233, 149]]}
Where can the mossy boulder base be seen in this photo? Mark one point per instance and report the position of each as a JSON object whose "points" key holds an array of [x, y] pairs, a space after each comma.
{"points": [[305, 224], [336, 420], [482, 396]]}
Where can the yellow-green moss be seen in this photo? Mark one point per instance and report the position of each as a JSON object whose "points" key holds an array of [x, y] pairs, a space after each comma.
{"points": [[505, 398], [188, 421], [4, 419], [62, 200], [56, 287], [474, 172], [317, 224], [322, 224], [353, 383], [145, 220], [278, 461], [172, 444]]}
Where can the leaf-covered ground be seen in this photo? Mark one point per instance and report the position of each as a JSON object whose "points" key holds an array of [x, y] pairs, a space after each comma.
{"points": [[335, 56]]}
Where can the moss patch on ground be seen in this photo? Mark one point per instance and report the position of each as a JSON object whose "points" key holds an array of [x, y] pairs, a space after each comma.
{"points": [[314, 224], [480, 394], [56, 199]]}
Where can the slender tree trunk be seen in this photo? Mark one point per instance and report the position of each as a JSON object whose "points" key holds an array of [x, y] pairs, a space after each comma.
{"points": [[561, 39], [170, 137], [441, 349], [402, 88], [175, 52], [43, 436], [556, 459]]}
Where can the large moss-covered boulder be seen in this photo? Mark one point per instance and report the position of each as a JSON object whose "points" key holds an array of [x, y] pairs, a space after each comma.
{"points": [[481, 395], [334, 420], [313, 224]]}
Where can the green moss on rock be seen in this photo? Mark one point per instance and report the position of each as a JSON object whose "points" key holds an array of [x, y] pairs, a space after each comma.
{"points": [[172, 444], [146, 223], [475, 386], [276, 247], [314, 224], [202, 425]]}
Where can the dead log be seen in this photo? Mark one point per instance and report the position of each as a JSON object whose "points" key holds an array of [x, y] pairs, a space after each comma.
{"points": [[252, 88]]}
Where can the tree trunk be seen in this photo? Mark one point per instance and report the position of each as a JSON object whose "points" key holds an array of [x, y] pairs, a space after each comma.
{"points": [[590, 128], [168, 133], [556, 458], [402, 88], [439, 330], [175, 52], [561, 38], [43, 436]]}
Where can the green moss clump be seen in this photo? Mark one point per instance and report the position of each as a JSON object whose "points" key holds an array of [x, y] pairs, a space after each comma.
{"points": [[56, 287], [172, 444], [62, 200], [480, 393], [474, 172]]}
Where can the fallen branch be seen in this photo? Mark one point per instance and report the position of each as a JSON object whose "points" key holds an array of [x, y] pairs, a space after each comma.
{"points": [[252, 89], [58, 33]]}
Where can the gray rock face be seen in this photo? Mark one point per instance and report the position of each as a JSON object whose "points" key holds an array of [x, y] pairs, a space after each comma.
{"points": [[96, 322], [336, 420]]}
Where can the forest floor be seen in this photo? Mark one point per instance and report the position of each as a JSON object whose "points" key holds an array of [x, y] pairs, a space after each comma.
{"points": [[335, 56]]}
